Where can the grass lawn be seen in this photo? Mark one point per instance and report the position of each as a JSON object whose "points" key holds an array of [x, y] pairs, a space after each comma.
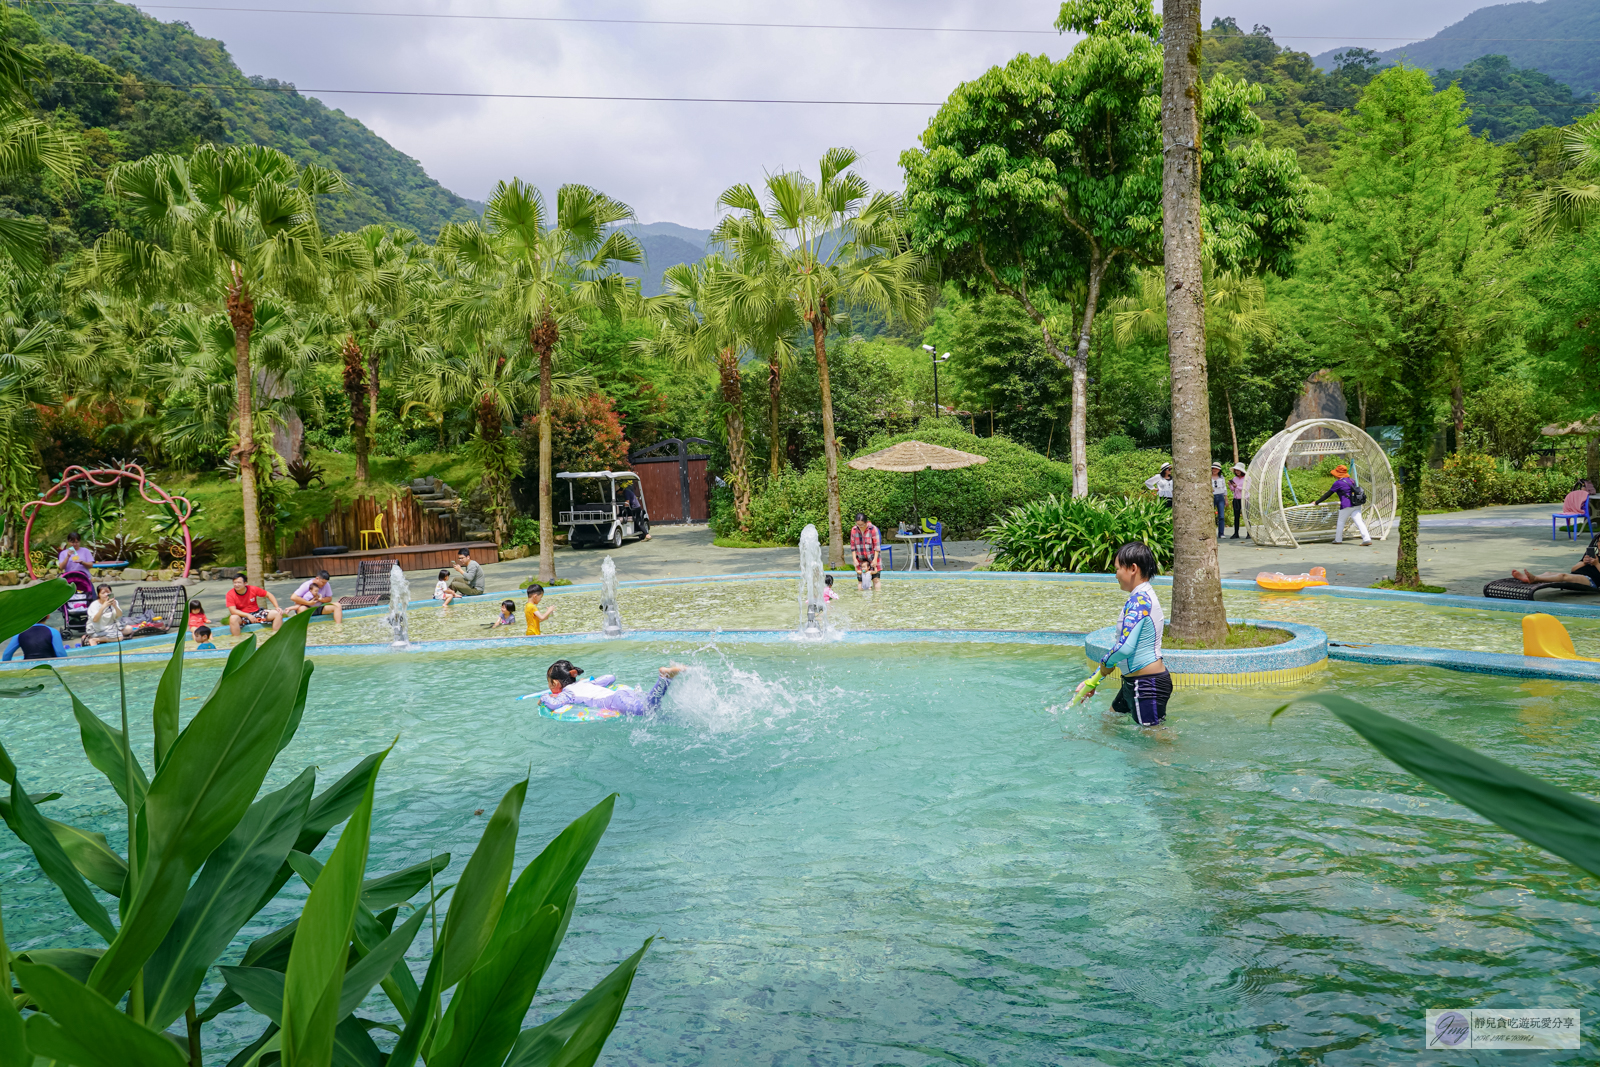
{"points": [[1387, 583], [1238, 637]]}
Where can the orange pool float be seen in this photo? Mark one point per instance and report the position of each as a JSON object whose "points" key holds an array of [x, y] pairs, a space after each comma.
{"points": [[1291, 582]]}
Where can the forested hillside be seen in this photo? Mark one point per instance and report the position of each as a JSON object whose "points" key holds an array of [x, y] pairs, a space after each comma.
{"points": [[1556, 37], [389, 186]]}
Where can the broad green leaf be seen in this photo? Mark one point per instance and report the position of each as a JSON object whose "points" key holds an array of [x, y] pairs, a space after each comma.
{"points": [[81, 1027], [299, 706], [418, 1030], [22, 691], [373, 967], [481, 893], [75, 963], [263, 990], [487, 1011], [575, 1037], [29, 605], [103, 744], [34, 830], [389, 889], [13, 1041], [550, 878], [89, 852], [222, 899], [204, 788], [336, 803], [169, 693], [1531, 808], [252, 1053], [321, 945]]}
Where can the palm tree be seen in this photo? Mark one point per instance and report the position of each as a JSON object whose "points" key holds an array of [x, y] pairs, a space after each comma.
{"points": [[28, 145], [224, 227], [1573, 201], [838, 242], [536, 273], [697, 324], [1236, 314], [377, 275]]}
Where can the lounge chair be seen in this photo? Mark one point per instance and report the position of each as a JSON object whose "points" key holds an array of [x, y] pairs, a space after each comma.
{"points": [[372, 584]]}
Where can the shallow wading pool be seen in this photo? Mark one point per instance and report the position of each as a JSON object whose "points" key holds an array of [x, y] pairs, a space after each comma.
{"points": [[914, 854]]}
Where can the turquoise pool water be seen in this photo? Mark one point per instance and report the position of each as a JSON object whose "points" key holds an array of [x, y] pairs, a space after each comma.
{"points": [[915, 855]]}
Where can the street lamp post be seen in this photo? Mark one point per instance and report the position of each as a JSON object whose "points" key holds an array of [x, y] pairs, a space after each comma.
{"points": [[937, 359]]}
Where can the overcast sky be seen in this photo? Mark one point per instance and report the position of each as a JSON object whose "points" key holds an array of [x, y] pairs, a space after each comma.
{"points": [[670, 160]]}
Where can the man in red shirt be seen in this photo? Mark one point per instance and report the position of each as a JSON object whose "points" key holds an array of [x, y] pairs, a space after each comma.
{"points": [[244, 606]]}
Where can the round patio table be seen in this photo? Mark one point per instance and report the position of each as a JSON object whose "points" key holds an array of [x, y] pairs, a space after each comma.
{"points": [[918, 542]]}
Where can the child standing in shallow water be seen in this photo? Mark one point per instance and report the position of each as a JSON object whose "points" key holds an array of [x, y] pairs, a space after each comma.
{"points": [[1146, 684], [531, 609]]}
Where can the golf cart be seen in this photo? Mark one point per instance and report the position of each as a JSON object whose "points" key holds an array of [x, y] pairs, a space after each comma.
{"points": [[609, 518]]}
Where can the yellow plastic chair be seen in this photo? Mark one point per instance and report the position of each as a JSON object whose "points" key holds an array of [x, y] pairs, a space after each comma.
{"points": [[1544, 636], [376, 531]]}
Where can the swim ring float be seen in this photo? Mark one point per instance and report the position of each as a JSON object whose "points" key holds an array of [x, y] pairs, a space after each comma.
{"points": [[1291, 582], [575, 712]]}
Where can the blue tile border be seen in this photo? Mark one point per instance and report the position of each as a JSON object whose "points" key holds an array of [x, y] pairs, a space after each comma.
{"points": [[1308, 646], [1452, 659]]}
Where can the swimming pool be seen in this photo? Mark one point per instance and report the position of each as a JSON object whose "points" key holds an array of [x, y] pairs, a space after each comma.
{"points": [[908, 854]]}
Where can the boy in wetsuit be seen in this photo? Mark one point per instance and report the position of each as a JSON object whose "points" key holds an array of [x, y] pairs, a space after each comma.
{"points": [[1146, 684]]}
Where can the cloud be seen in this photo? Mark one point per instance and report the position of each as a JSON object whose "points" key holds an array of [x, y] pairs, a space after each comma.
{"points": [[670, 160]]}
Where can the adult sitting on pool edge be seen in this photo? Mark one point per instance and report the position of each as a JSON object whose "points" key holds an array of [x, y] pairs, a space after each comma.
{"points": [[469, 580], [1586, 575], [313, 596], [244, 607]]}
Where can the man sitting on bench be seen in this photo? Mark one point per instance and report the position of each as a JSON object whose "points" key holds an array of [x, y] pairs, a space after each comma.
{"points": [[1586, 575]]}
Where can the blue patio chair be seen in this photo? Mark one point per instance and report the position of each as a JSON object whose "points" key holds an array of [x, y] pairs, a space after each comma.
{"points": [[935, 527], [1571, 518]]}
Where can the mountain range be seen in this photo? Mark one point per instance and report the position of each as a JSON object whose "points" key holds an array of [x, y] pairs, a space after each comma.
{"points": [[1556, 37], [666, 244]]}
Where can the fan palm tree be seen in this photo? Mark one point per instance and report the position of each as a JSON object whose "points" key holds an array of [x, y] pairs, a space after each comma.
{"points": [[377, 277], [535, 272], [836, 242], [699, 326], [1574, 200], [223, 227], [28, 145], [1236, 314]]}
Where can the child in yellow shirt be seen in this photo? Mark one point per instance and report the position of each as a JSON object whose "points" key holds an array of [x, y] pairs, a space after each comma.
{"points": [[531, 609]]}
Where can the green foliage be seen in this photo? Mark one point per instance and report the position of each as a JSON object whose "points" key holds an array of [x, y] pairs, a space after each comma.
{"points": [[388, 186], [999, 361], [964, 500], [208, 855], [1079, 535], [1115, 471], [525, 531], [1508, 101], [1474, 480], [868, 400]]}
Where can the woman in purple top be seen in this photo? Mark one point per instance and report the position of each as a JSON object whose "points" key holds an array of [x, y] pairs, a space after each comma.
{"points": [[73, 556], [1345, 486]]}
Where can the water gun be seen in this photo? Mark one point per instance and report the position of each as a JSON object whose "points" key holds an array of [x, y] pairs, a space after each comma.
{"points": [[1086, 688]]}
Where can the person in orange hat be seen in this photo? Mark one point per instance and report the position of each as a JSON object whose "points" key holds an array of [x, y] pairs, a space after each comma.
{"points": [[1348, 492]]}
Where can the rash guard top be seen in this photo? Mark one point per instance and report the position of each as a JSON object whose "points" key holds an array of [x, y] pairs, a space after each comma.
{"points": [[1138, 642]]}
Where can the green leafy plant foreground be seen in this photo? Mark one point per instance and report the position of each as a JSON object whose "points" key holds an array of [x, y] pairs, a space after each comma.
{"points": [[1082, 535], [210, 853]]}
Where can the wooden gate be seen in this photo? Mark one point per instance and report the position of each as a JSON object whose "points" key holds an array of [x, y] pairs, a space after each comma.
{"points": [[677, 486]]}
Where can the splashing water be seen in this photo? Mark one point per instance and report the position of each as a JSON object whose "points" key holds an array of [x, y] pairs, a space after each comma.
{"points": [[811, 584], [399, 598], [612, 627]]}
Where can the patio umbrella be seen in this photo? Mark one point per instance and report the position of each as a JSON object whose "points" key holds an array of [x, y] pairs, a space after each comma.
{"points": [[916, 456]]}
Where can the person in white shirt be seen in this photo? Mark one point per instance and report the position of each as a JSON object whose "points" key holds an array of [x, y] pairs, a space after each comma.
{"points": [[105, 619], [1161, 482], [1219, 497]]}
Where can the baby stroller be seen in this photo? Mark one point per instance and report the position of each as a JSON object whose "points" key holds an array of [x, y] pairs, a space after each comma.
{"points": [[75, 612]]}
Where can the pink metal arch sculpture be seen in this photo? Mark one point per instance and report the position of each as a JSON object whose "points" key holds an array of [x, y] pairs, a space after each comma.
{"points": [[62, 492]]}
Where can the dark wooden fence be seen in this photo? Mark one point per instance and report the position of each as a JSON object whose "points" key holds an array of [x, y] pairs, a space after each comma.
{"points": [[404, 523]]}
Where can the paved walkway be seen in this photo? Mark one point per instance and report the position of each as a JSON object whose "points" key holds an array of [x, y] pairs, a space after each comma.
{"points": [[1460, 551]]}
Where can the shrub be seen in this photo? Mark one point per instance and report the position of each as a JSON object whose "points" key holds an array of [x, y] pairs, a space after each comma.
{"points": [[585, 435], [1082, 535], [525, 531], [1118, 472], [1473, 480], [1117, 444], [964, 500]]}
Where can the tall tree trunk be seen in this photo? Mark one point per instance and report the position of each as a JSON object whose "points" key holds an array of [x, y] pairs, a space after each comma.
{"points": [[738, 462], [242, 316], [1079, 433], [830, 447], [1197, 611], [544, 338], [1591, 455], [774, 410], [372, 393], [1414, 444], [355, 387], [1458, 415], [1233, 433]]}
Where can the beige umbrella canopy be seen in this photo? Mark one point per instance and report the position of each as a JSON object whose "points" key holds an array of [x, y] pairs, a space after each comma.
{"points": [[916, 456]]}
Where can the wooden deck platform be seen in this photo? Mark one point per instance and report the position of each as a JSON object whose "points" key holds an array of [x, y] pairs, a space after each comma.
{"points": [[410, 558]]}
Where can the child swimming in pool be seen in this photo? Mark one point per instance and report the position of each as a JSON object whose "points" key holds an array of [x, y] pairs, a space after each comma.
{"points": [[566, 689], [508, 615], [1146, 684]]}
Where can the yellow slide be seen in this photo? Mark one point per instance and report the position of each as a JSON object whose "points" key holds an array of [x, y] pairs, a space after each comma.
{"points": [[1543, 635]]}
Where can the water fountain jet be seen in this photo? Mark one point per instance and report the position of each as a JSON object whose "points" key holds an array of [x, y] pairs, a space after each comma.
{"points": [[612, 627], [812, 587], [399, 601]]}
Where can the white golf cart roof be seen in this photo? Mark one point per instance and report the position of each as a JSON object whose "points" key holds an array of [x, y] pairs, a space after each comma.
{"points": [[613, 475]]}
